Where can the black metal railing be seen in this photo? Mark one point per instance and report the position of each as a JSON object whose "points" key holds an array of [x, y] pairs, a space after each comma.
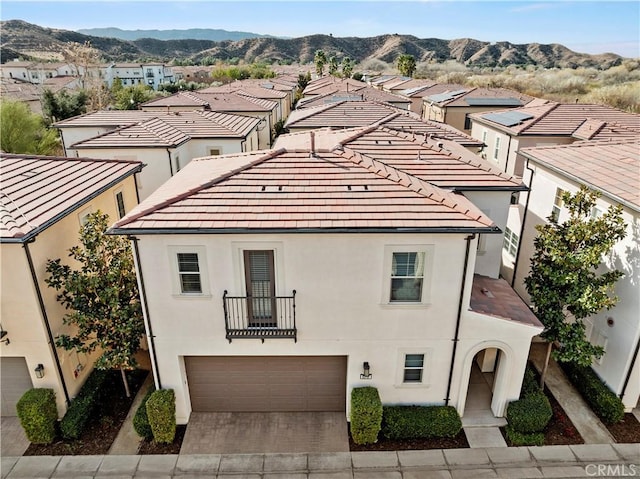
{"points": [[260, 317]]}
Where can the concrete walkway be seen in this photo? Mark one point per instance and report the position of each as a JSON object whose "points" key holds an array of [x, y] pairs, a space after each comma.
{"points": [[585, 421], [13, 440], [612, 460]]}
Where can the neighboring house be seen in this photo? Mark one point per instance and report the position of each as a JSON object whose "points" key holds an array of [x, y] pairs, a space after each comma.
{"points": [[545, 123], [454, 107], [349, 114], [259, 93], [25, 92], [151, 74], [273, 278], [611, 168], [43, 202], [36, 73], [168, 141], [366, 93], [231, 102]]}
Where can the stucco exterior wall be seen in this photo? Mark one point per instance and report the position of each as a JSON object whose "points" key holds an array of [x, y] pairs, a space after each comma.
{"points": [[71, 135]]}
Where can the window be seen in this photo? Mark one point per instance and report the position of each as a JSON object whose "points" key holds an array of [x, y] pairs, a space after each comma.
{"points": [[484, 137], [407, 273], [215, 151], [83, 216], [496, 149], [120, 204], [189, 273], [510, 242], [557, 204], [596, 212], [413, 368], [467, 122]]}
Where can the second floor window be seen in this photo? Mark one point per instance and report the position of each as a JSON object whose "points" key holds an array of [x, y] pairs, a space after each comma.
{"points": [[407, 274], [496, 149], [189, 272], [557, 204], [120, 204], [510, 243]]}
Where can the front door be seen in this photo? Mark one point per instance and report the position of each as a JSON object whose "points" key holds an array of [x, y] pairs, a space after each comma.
{"points": [[261, 288]]}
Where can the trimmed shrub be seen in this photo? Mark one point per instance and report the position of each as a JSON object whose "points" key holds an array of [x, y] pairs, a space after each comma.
{"points": [[141, 420], [410, 422], [366, 415], [38, 414], [530, 414], [161, 413], [530, 383], [524, 439], [83, 406], [602, 400]]}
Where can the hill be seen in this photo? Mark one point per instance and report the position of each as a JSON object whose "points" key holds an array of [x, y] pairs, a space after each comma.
{"points": [[216, 35], [20, 38]]}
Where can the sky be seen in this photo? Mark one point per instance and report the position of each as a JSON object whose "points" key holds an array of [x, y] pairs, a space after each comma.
{"points": [[584, 26]]}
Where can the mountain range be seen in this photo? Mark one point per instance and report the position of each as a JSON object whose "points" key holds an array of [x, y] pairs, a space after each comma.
{"points": [[214, 34], [22, 39]]}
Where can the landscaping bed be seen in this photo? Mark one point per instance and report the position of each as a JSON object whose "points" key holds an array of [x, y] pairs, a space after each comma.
{"points": [[153, 447], [626, 431], [105, 424], [460, 441]]}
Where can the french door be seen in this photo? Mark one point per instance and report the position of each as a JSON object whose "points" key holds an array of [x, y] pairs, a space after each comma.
{"points": [[261, 288]]}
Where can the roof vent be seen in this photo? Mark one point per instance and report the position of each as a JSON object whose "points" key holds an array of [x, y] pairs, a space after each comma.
{"points": [[487, 293]]}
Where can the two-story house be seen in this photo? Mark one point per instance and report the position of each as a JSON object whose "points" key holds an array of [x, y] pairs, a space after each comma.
{"points": [[44, 202], [611, 168], [279, 280]]}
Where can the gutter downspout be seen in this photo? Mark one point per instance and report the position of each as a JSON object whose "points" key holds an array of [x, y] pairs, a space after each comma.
{"points": [[631, 366], [170, 165], [524, 222], [506, 165], [45, 318], [135, 183], [455, 338], [147, 321]]}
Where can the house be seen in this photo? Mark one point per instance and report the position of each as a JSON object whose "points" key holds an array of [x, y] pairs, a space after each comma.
{"points": [[166, 142], [36, 73], [44, 202], [455, 105], [147, 73], [611, 168], [25, 92], [259, 93], [279, 280], [366, 93], [546, 123], [231, 102], [358, 113]]}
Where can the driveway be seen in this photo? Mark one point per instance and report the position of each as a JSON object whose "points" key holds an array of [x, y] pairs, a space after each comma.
{"points": [[265, 432], [13, 441]]}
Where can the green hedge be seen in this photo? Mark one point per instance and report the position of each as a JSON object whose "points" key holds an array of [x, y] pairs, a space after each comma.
{"points": [[530, 383], [38, 414], [161, 412], [409, 422], [524, 439], [602, 400], [141, 420], [530, 414], [85, 403], [366, 415]]}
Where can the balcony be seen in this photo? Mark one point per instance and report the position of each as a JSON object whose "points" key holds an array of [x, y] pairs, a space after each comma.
{"points": [[258, 317]]}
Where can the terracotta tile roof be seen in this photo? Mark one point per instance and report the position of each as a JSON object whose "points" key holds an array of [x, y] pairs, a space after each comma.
{"points": [[329, 84], [36, 191], [416, 92], [152, 133], [612, 167], [19, 90], [362, 94], [412, 123], [385, 80], [109, 118], [247, 90], [299, 191], [602, 130], [410, 85], [494, 297], [556, 119], [416, 155], [489, 97]]}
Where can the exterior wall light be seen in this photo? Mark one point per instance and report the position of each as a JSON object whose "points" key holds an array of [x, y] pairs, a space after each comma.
{"points": [[39, 370], [366, 371]]}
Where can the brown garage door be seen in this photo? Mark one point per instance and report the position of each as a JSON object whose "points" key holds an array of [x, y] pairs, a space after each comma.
{"points": [[14, 382], [274, 383]]}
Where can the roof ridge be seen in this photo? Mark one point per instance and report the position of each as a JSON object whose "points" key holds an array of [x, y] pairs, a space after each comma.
{"points": [[411, 182], [195, 189], [65, 158]]}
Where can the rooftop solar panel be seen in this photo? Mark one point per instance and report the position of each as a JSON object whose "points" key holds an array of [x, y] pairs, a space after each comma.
{"points": [[446, 95], [507, 118], [493, 101]]}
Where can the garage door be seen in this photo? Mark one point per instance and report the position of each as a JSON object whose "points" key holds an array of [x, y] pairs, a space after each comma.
{"points": [[14, 382], [275, 383]]}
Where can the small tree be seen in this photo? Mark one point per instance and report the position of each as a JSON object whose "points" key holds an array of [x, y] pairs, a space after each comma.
{"points": [[564, 283], [347, 67], [333, 66], [406, 65], [25, 132], [128, 98], [320, 59], [62, 105], [102, 297]]}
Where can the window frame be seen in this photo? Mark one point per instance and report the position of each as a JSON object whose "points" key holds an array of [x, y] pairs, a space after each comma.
{"points": [[425, 378], [496, 148], [558, 203], [83, 213], [123, 212], [510, 241], [427, 274], [176, 281]]}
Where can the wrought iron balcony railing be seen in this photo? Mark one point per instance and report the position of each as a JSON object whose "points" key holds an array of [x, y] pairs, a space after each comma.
{"points": [[260, 317]]}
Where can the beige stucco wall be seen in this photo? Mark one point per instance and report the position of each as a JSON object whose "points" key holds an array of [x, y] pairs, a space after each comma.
{"points": [[21, 314], [342, 306], [72, 135], [623, 335]]}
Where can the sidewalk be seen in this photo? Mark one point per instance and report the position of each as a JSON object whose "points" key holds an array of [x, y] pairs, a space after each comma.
{"points": [[583, 418], [580, 461]]}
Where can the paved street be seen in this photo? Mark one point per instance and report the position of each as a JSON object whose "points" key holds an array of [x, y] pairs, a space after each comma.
{"points": [[587, 460]]}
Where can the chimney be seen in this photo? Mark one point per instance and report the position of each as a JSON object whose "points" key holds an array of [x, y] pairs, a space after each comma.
{"points": [[313, 142]]}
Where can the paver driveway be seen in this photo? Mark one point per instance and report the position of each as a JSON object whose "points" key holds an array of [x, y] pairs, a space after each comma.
{"points": [[265, 432]]}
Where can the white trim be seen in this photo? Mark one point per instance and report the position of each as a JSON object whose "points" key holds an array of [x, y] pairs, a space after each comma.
{"points": [[238, 248], [173, 251], [428, 250], [426, 368]]}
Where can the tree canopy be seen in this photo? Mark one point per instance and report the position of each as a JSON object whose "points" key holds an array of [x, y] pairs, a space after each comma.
{"points": [[101, 295], [320, 59], [565, 282], [63, 104], [25, 132], [406, 65]]}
